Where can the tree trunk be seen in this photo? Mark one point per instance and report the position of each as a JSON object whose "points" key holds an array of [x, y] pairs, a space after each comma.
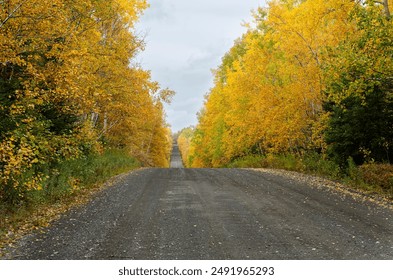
{"points": [[386, 6]]}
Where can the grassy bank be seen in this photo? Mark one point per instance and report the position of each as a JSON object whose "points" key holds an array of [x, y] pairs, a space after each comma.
{"points": [[372, 178], [68, 184]]}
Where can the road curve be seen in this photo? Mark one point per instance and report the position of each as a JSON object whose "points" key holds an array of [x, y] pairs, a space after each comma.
{"points": [[178, 213]]}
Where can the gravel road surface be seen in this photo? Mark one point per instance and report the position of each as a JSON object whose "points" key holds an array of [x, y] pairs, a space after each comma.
{"points": [[179, 213]]}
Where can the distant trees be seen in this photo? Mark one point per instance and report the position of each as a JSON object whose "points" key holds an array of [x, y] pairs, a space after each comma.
{"points": [[184, 142], [310, 76]]}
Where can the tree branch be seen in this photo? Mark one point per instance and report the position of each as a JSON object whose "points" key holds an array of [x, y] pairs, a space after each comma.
{"points": [[12, 13]]}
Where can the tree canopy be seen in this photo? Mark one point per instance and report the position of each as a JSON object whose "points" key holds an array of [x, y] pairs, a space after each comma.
{"points": [[68, 87], [309, 75]]}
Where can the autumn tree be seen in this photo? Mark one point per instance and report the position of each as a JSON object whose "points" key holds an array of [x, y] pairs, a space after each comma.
{"points": [[268, 96], [67, 88]]}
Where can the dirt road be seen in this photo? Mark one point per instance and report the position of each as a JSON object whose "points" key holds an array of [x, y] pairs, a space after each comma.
{"points": [[181, 213]]}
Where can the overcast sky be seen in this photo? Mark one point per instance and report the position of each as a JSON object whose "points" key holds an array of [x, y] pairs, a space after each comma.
{"points": [[185, 39]]}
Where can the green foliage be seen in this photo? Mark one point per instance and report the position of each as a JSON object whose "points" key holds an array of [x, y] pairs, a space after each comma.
{"points": [[249, 161], [311, 163], [287, 162], [359, 91], [65, 179], [361, 129], [316, 163], [9, 83], [69, 176], [353, 171]]}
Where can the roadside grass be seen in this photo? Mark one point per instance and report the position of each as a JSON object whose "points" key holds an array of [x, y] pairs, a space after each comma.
{"points": [[69, 184], [371, 178]]}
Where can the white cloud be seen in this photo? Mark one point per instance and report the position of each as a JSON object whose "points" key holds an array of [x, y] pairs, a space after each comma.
{"points": [[185, 40]]}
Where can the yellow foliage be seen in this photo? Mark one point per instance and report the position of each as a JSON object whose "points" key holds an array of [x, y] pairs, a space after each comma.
{"points": [[71, 89], [185, 145], [267, 96]]}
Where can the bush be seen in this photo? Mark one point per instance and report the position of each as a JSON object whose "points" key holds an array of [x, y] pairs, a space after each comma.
{"points": [[316, 163], [310, 162], [67, 177], [379, 175], [250, 161]]}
